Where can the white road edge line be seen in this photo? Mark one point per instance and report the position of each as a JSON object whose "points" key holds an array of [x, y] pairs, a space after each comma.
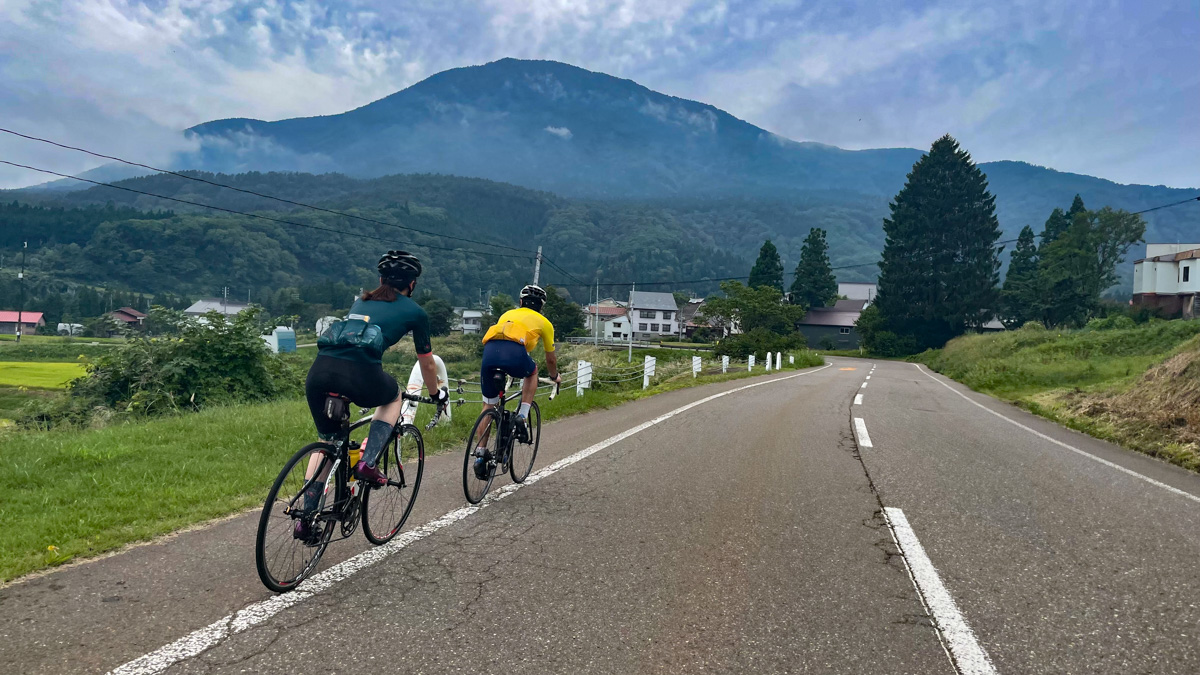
{"points": [[860, 430], [210, 636], [1035, 432], [968, 655], [858, 399]]}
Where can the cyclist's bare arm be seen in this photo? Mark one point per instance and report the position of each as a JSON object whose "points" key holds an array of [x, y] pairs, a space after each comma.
{"points": [[429, 373], [552, 365]]}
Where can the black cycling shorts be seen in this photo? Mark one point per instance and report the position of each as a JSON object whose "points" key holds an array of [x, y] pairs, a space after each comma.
{"points": [[367, 384], [507, 357]]}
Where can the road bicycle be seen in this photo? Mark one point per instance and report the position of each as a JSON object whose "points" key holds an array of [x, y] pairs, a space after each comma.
{"points": [[283, 560], [493, 446]]}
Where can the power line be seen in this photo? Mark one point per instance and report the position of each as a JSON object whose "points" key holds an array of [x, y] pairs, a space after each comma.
{"points": [[258, 216], [1135, 213], [256, 194]]}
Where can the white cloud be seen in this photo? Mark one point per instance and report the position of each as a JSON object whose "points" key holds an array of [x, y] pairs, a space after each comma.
{"points": [[561, 132]]}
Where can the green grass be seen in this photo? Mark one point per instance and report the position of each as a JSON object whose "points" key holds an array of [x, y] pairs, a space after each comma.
{"points": [[78, 493], [39, 375], [1106, 383], [1015, 365]]}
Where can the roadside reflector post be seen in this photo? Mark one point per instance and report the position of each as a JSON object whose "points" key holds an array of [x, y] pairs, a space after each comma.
{"points": [[724, 364], [768, 367], [778, 360], [696, 366], [583, 377], [648, 371], [792, 359], [750, 363]]}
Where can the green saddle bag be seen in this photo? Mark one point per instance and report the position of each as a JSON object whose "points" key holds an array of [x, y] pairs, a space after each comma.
{"points": [[354, 332]]}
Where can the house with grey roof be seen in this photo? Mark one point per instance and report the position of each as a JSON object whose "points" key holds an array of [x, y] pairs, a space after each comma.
{"points": [[833, 327], [654, 316]]}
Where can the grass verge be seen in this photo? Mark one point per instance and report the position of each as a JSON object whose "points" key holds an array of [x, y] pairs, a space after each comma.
{"points": [[1138, 387], [79, 493]]}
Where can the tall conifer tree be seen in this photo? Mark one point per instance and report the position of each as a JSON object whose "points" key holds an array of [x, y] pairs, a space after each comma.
{"points": [[940, 267], [814, 285], [1020, 296], [768, 269]]}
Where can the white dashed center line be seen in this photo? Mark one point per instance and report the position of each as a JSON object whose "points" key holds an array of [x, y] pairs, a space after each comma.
{"points": [[860, 430]]}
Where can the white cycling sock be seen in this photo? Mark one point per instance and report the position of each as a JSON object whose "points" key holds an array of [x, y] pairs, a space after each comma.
{"points": [[524, 410]]}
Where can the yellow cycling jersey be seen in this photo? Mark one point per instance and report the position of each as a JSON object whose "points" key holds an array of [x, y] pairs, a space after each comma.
{"points": [[522, 325]]}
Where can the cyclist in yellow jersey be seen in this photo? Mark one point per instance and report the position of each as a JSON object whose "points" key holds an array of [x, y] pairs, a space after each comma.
{"points": [[506, 348]]}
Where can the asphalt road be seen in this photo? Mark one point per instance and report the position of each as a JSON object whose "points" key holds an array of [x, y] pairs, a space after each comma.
{"points": [[744, 534]]}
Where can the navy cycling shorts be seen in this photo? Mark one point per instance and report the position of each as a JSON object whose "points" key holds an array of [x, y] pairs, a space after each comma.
{"points": [[506, 357]]}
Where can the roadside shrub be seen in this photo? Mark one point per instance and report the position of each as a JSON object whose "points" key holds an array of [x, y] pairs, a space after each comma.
{"points": [[759, 341], [1033, 325], [220, 360], [887, 343], [1114, 322]]}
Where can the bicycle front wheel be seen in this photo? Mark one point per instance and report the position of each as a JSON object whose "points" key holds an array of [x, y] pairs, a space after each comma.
{"points": [[284, 557], [386, 508], [479, 462], [524, 454]]}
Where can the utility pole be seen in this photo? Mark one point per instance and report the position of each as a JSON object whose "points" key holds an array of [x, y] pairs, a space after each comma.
{"points": [[537, 266], [225, 302], [21, 278], [596, 313], [632, 287]]}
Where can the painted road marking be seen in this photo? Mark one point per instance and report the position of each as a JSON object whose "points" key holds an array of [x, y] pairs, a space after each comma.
{"points": [[1059, 443], [860, 430], [217, 632], [847, 368], [864, 385], [968, 655], [868, 377], [858, 399]]}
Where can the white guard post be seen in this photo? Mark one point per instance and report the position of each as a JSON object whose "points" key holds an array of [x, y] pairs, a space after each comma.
{"points": [[648, 371], [416, 386], [696, 365], [583, 377], [778, 361], [724, 364], [750, 364], [768, 362], [791, 359]]}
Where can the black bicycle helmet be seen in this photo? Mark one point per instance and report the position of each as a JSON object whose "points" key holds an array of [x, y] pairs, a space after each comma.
{"points": [[400, 266], [533, 296]]}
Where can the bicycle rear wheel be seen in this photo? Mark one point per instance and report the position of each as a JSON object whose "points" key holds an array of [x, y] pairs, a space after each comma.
{"points": [[524, 454], [284, 561], [487, 430], [386, 508]]}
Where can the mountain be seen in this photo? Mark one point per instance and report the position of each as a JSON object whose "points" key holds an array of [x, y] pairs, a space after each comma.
{"points": [[607, 174], [549, 126], [556, 127]]}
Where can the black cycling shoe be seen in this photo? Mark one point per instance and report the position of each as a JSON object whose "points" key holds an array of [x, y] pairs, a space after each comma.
{"points": [[521, 430], [481, 467]]}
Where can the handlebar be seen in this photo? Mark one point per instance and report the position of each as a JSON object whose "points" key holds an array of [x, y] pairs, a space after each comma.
{"points": [[557, 386]]}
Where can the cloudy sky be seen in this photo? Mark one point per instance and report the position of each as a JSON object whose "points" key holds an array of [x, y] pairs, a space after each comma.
{"points": [[1108, 88]]}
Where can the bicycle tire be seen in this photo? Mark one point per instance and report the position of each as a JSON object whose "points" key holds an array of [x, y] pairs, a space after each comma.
{"points": [[518, 466], [402, 460], [475, 488], [264, 540]]}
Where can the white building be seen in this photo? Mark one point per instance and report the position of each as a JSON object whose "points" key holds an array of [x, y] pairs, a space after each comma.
{"points": [[1168, 279], [852, 290], [654, 316], [218, 305], [470, 321]]}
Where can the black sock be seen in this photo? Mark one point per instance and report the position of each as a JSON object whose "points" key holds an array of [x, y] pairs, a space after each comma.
{"points": [[312, 497], [378, 436]]}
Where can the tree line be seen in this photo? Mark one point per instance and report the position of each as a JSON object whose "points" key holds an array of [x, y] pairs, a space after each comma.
{"points": [[940, 269]]}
